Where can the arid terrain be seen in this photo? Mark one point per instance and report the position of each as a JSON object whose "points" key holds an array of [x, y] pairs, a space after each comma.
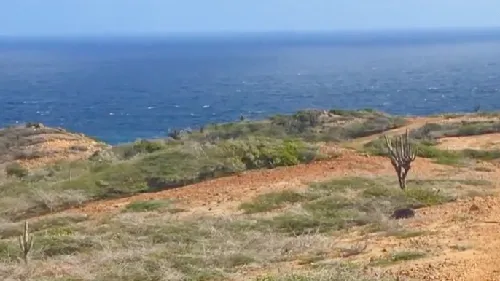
{"points": [[301, 197]]}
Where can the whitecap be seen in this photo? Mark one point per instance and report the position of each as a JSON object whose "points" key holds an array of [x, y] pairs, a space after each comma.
{"points": [[111, 113], [177, 105], [150, 107], [206, 106]]}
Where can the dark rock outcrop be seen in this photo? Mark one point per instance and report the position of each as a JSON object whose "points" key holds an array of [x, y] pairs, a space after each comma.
{"points": [[403, 213]]}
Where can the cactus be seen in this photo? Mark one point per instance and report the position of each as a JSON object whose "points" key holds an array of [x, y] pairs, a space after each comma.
{"points": [[402, 154], [25, 243]]}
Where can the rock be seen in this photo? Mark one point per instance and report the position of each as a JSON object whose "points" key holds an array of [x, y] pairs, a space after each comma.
{"points": [[474, 208], [102, 183], [34, 125], [404, 213]]}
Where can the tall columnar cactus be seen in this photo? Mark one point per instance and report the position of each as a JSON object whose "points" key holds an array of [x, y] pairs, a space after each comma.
{"points": [[402, 153], [25, 243]]}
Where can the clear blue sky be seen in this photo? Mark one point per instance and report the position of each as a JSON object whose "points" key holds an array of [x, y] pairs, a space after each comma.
{"points": [[101, 17]]}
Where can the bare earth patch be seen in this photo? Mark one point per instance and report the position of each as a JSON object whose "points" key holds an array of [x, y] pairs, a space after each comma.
{"points": [[487, 142]]}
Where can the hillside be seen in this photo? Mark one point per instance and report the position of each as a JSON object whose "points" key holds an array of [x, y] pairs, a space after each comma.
{"points": [[306, 196], [33, 145]]}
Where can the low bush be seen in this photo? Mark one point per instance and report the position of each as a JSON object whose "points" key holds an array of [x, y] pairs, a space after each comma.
{"points": [[15, 169], [433, 131]]}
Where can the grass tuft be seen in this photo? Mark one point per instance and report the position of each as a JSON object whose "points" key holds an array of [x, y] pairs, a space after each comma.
{"points": [[398, 257], [147, 206], [271, 201]]}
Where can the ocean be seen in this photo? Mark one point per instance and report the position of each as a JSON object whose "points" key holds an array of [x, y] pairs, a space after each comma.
{"points": [[121, 89]]}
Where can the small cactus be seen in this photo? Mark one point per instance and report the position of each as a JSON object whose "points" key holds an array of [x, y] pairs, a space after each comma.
{"points": [[25, 243]]}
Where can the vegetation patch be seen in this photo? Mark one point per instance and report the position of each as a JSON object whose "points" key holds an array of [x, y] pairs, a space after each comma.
{"points": [[334, 272], [154, 167], [271, 201], [428, 149], [405, 234], [433, 131], [50, 246], [308, 125], [398, 257], [347, 202], [147, 206]]}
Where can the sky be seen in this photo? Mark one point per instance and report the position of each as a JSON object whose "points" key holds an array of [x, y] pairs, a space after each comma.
{"points": [[156, 17]]}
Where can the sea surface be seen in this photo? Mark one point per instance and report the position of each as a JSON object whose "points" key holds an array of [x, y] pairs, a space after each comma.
{"points": [[121, 89]]}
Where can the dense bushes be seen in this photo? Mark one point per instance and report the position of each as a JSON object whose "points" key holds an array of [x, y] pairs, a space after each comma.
{"points": [[308, 125], [180, 164], [260, 153], [433, 131]]}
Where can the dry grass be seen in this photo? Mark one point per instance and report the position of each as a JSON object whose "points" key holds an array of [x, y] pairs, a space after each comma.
{"points": [[148, 242], [160, 248]]}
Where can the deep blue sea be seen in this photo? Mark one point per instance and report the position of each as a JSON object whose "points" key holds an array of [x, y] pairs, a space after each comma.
{"points": [[121, 89]]}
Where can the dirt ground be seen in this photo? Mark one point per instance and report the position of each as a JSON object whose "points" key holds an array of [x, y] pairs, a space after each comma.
{"points": [[470, 226], [486, 142]]}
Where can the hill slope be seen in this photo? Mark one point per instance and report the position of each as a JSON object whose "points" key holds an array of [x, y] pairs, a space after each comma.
{"points": [[34, 145], [268, 208]]}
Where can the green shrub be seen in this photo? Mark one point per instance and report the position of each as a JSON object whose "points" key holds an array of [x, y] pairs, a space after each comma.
{"points": [[426, 196], [15, 169], [260, 153], [455, 129], [142, 146], [373, 125], [271, 201], [50, 246], [482, 154], [147, 206]]}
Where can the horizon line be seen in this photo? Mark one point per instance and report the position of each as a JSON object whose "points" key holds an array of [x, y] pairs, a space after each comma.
{"points": [[225, 33]]}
